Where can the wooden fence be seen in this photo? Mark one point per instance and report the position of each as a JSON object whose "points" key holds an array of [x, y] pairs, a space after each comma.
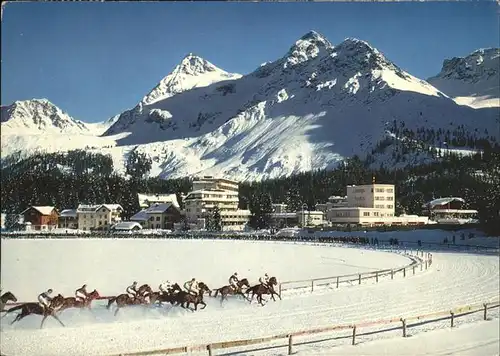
{"points": [[422, 260], [405, 323]]}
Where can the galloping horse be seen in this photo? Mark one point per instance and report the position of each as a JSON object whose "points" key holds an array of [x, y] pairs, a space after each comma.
{"points": [[5, 298], [145, 288], [227, 290], [124, 300], [185, 297], [36, 308], [261, 289], [72, 302], [165, 297]]}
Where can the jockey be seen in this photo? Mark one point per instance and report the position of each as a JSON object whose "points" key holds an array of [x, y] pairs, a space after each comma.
{"points": [[44, 299], [166, 287], [233, 281], [264, 280], [132, 290], [191, 286], [81, 293]]}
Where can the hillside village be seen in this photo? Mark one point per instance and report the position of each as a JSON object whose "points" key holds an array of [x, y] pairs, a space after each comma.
{"points": [[213, 205]]}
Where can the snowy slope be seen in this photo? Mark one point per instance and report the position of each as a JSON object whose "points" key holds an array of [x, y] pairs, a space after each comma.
{"points": [[311, 108], [454, 279], [192, 72], [316, 105], [38, 116], [473, 80]]}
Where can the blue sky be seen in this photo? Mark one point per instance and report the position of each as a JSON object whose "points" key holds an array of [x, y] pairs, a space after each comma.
{"points": [[95, 60]]}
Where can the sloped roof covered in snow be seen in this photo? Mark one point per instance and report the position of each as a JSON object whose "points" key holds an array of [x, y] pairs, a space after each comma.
{"points": [[143, 215], [44, 210], [93, 208], [146, 200], [442, 201], [68, 213], [140, 216], [127, 225]]}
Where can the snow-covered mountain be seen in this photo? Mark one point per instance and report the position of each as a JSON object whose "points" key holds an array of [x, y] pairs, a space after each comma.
{"points": [[311, 108], [38, 116], [192, 72], [473, 80]]}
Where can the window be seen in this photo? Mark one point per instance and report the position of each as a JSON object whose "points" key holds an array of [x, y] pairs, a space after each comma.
{"points": [[366, 213], [390, 206], [375, 213], [389, 198], [390, 190], [158, 218], [379, 190]]}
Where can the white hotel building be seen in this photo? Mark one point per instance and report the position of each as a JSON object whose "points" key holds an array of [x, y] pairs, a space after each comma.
{"points": [[209, 193], [371, 204]]}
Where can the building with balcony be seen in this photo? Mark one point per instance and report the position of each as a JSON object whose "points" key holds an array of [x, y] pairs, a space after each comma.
{"points": [[209, 193], [68, 219], [450, 211], [40, 217], [98, 217], [371, 204]]}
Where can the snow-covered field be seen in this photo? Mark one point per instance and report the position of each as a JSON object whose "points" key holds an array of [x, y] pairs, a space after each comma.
{"points": [[30, 266]]}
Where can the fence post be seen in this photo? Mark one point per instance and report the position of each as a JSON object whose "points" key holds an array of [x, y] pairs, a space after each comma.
{"points": [[290, 344], [404, 272], [421, 266], [279, 289], [209, 348], [359, 278], [392, 274], [354, 335], [413, 270], [376, 276], [425, 264], [312, 285], [337, 282], [404, 326], [485, 305], [452, 317]]}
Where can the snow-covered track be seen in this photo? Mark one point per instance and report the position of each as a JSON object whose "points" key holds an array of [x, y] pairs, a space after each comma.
{"points": [[454, 279]]}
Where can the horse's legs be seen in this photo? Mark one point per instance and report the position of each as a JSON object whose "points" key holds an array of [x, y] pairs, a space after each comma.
{"points": [[204, 305], [55, 317], [18, 317], [116, 311]]}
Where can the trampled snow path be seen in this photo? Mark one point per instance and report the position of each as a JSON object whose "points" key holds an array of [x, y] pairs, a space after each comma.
{"points": [[453, 280]]}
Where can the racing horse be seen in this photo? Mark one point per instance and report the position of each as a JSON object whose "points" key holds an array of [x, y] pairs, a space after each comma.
{"points": [[165, 297], [72, 302], [186, 298], [144, 290], [5, 298], [37, 308], [124, 299], [261, 289], [228, 290]]}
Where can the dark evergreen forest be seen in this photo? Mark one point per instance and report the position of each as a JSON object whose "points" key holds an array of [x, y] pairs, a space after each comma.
{"points": [[66, 179]]}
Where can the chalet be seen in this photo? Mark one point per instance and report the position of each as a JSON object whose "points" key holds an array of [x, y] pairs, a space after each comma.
{"points": [[158, 216], [41, 217], [450, 211]]}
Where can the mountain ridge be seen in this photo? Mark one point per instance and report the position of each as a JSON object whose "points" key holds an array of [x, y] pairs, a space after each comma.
{"points": [[309, 109]]}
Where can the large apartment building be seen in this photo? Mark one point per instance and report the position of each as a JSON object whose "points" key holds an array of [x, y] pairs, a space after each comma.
{"points": [[370, 204], [210, 192]]}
